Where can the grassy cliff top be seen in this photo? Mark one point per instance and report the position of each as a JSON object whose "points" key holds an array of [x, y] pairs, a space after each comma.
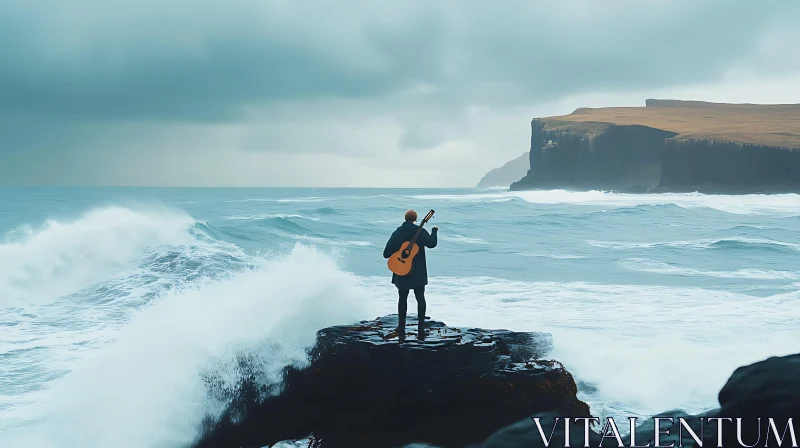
{"points": [[769, 125]]}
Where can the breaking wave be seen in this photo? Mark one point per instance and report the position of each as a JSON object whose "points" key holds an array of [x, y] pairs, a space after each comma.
{"points": [[60, 258], [146, 388]]}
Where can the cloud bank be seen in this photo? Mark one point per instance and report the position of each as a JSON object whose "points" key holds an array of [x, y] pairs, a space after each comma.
{"points": [[349, 93]]}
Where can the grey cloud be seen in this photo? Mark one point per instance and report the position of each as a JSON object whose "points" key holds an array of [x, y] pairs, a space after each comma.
{"points": [[86, 85], [132, 75], [195, 61], [611, 45], [421, 136]]}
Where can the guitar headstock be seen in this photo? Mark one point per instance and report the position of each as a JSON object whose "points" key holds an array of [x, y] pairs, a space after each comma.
{"points": [[427, 217]]}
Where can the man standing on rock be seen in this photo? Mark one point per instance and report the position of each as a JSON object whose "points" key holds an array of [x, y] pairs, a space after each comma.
{"points": [[417, 278]]}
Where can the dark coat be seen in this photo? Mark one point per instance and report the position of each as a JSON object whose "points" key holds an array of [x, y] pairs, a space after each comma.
{"points": [[419, 269]]}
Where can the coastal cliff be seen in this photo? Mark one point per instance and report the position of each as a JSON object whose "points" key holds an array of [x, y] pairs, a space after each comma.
{"points": [[668, 146]]}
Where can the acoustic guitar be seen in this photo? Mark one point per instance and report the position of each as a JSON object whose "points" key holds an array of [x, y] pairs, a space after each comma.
{"points": [[401, 261]]}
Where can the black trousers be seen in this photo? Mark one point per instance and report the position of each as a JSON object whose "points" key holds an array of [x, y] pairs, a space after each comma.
{"points": [[402, 305]]}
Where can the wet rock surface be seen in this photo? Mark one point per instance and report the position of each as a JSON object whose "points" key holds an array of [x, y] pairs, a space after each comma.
{"points": [[363, 388], [768, 390], [765, 389]]}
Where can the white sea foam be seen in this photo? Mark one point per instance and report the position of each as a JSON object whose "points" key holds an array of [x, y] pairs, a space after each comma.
{"points": [[309, 199], [657, 267], [475, 197], [360, 243], [284, 200], [331, 241], [696, 244], [551, 255], [262, 216], [788, 204], [635, 348], [145, 389], [60, 258], [251, 200], [463, 239]]}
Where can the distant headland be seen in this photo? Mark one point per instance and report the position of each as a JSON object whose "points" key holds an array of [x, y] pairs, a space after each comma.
{"points": [[507, 174], [668, 145]]}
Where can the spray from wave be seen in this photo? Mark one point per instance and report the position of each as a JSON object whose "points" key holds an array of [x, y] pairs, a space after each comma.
{"points": [[147, 389], [62, 257], [112, 375], [68, 286]]}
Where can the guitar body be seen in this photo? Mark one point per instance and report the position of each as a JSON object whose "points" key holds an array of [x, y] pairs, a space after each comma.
{"points": [[400, 261]]}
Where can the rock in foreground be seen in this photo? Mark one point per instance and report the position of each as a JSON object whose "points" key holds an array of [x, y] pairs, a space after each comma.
{"points": [[364, 389], [765, 389], [764, 395]]}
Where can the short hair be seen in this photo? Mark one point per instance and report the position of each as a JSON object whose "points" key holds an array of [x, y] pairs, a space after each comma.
{"points": [[411, 216]]}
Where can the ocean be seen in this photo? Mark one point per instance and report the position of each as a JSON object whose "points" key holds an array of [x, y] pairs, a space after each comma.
{"points": [[119, 305]]}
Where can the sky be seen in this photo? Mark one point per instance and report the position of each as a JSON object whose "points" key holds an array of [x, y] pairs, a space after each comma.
{"points": [[358, 93]]}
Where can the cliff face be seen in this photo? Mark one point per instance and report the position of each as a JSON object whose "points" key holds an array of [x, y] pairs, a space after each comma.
{"points": [[668, 146], [506, 174], [708, 165], [596, 155]]}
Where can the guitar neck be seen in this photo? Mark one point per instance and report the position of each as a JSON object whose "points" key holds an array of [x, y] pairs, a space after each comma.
{"points": [[416, 235], [419, 230]]}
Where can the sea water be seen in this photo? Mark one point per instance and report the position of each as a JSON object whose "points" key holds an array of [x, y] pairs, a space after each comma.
{"points": [[119, 307]]}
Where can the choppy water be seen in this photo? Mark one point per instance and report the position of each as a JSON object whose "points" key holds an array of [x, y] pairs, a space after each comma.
{"points": [[117, 305]]}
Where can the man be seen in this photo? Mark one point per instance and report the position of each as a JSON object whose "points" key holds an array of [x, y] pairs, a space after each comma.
{"points": [[418, 277]]}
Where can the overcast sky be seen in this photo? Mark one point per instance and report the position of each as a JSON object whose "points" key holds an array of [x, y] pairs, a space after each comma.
{"points": [[351, 92]]}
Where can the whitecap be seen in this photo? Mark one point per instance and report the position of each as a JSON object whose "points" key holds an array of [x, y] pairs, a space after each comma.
{"points": [[784, 204], [657, 267], [697, 244]]}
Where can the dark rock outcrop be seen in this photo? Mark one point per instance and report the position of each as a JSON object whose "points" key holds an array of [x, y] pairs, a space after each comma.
{"points": [[524, 433], [364, 389], [768, 389], [668, 146], [507, 174]]}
